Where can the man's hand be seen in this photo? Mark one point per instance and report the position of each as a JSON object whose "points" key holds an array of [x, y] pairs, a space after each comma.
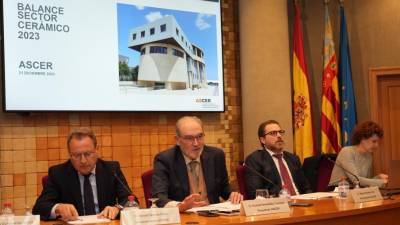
{"points": [[67, 212], [235, 197], [191, 201], [109, 212]]}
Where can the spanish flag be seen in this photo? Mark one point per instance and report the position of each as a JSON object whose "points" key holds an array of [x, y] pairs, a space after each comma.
{"points": [[302, 118], [330, 112]]}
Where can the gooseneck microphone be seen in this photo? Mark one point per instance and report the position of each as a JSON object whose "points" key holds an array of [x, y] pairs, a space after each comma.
{"points": [[114, 173], [277, 187], [357, 183]]}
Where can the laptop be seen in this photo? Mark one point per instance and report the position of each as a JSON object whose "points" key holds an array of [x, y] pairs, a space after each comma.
{"points": [[393, 186], [394, 175]]}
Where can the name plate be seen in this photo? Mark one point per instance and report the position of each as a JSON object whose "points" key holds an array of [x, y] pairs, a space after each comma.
{"points": [[150, 216], [20, 220], [359, 195], [264, 206]]}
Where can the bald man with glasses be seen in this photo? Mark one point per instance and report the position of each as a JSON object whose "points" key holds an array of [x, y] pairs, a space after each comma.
{"points": [[191, 174], [281, 167]]}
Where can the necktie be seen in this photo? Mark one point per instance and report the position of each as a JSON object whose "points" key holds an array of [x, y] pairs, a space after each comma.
{"points": [[88, 196], [285, 174], [195, 174]]}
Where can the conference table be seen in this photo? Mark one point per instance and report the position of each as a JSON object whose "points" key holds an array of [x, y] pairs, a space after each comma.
{"points": [[323, 211]]}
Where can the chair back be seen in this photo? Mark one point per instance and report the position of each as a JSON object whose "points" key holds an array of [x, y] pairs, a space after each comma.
{"points": [[318, 170], [147, 182], [240, 175], [44, 180], [325, 168]]}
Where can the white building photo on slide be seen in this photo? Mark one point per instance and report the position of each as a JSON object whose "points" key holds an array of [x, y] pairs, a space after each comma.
{"points": [[168, 59]]}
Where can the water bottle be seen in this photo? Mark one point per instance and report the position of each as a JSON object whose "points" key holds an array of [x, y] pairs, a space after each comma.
{"points": [[284, 193], [7, 209], [131, 203], [7, 214], [343, 188]]}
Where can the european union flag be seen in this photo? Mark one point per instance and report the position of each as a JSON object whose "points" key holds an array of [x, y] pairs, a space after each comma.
{"points": [[347, 102]]}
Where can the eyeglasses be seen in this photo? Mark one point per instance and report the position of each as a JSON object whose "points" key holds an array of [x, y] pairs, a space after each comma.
{"points": [[78, 156], [189, 138], [275, 133]]}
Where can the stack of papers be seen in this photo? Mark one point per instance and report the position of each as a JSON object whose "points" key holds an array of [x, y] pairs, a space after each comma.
{"points": [[224, 208], [89, 219], [315, 195]]}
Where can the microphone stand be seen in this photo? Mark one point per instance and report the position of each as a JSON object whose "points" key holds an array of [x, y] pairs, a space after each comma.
{"points": [[356, 182], [263, 177]]}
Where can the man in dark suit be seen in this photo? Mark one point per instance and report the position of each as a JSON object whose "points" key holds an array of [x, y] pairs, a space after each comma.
{"points": [[280, 167], [191, 174], [84, 185]]}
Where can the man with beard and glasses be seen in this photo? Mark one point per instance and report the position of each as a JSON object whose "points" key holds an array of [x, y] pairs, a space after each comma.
{"points": [[191, 174], [279, 166]]}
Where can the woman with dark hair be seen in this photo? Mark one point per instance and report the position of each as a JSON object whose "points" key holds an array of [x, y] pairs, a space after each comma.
{"points": [[357, 159]]}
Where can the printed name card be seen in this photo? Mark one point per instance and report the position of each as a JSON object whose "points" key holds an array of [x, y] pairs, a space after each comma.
{"points": [[150, 216], [20, 220], [264, 206], [359, 195]]}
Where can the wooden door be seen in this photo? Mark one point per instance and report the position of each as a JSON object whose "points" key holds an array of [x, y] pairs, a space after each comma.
{"points": [[385, 109]]}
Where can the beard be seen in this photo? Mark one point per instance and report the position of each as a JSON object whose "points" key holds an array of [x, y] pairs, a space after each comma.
{"points": [[277, 146]]}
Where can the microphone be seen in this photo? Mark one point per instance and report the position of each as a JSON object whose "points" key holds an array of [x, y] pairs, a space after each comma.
{"points": [[356, 183], [120, 181], [124, 186], [262, 176]]}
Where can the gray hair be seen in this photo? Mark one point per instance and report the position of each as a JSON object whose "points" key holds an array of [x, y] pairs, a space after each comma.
{"points": [[182, 120]]}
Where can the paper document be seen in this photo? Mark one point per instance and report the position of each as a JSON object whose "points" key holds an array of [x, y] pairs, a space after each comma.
{"points": [[89, 219], [220, 207], [315, 195]]}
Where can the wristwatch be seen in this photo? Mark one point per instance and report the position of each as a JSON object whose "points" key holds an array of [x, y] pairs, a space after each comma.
{"points": [[120, 207]]}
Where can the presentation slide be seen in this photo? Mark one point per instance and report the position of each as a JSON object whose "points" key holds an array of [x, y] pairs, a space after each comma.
{"points": [[112, 55]]}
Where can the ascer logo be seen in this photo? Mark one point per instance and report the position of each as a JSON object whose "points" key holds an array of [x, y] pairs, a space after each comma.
{"points": [[203, 100]]}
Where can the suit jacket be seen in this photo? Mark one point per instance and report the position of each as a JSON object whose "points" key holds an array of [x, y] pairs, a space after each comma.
{"points": [[170, 178], [63, 186], [262, 162]]}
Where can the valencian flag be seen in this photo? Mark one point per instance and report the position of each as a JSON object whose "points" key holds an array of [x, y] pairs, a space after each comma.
{"points": [[347, 102], [303, 127], [330, 112]]}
